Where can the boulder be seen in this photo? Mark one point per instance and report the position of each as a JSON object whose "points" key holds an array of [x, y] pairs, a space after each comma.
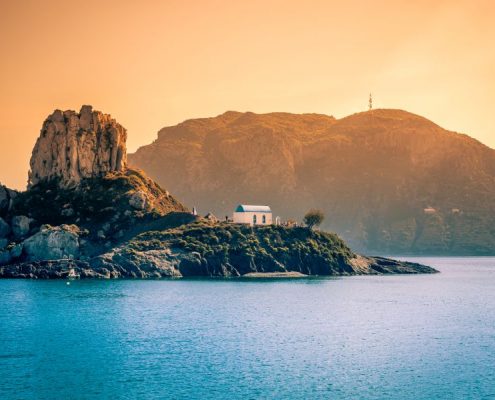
{"points": [[75, 146], [8, 255], [138, 201], [51, 243], [4, 228], [20, 226]]}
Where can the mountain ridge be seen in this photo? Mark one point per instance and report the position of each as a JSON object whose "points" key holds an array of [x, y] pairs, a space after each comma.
{"points": [[374, 173]]}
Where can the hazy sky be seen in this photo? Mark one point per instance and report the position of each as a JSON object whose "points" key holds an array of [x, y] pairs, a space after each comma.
{"points": [[155, 63]]}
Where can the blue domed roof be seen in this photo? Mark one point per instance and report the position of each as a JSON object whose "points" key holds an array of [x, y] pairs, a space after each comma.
{"points": [[251, 208]]}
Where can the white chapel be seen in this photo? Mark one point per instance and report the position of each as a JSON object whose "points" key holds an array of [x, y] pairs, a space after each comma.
{"points": [[252, 215]]}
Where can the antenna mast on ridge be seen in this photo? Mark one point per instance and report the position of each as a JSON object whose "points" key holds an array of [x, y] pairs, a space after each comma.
{"points": [[370, 103]]}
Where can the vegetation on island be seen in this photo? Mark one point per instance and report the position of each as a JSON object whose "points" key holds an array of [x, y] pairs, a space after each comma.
{"points": [[267, 244], [225, 249], [205, 248], [313, 218], [111, 207], [97, 198]]}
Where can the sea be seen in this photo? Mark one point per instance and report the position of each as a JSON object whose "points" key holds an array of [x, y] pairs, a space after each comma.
{"points": [[362, 337]]}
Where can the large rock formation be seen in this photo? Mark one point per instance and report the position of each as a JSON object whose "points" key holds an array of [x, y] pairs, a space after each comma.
{"points": [[53, 243], [75, 146], [79, 180], [388, 181]]}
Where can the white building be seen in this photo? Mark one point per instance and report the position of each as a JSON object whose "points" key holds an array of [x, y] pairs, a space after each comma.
{"points": [[252, 215]]}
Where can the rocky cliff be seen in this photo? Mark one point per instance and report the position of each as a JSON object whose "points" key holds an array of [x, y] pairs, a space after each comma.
{"points": [[389, 181], [74, 146]]}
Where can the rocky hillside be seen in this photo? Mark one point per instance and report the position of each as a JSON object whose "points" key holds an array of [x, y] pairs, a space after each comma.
{"points": [[82, 199], [388, 181], [48, 222], [107, 207]]}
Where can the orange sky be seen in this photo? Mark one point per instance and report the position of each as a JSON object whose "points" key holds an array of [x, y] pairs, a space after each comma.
{"points": [[155, 63]]}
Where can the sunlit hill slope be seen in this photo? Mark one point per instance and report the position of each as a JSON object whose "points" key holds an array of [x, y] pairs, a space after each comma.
{"points": [[388, 181]]}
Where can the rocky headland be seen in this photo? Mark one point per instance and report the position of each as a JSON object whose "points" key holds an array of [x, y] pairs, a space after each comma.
{"points": [[86, 214]]}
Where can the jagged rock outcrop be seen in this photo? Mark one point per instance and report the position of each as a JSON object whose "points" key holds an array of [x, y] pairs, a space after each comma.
{"points": [[75, 146], [163, 263], [53, 243]]}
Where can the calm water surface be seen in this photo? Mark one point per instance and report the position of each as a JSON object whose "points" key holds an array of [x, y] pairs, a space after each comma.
{"points": [[391, 337]]}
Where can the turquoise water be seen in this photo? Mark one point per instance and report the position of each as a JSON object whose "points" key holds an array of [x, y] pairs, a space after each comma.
{"points": [[387, 337]]}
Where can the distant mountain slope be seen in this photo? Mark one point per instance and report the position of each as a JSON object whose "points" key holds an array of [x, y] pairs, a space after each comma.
{"points": [[388, 181]]}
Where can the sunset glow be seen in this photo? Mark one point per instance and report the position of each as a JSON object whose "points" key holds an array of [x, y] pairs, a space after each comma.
{"points": [[155, 63]]}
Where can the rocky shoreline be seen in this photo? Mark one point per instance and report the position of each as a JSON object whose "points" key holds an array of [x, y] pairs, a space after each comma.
{"points": [[205, 249], [77, 269]]}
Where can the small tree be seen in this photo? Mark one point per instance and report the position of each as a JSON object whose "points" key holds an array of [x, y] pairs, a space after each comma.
{"points": [[313, 218]]}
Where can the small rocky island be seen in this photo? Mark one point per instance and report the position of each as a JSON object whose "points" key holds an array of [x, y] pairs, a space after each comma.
{"points": [[86, 214]]}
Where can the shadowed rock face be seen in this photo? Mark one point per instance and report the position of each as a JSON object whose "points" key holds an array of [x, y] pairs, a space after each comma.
{"points": [[75, 146]]}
